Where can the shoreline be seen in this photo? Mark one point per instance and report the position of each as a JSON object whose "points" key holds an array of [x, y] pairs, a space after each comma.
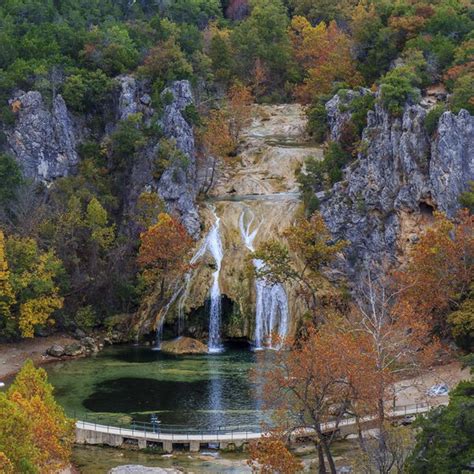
{"points": [[14, 354]]}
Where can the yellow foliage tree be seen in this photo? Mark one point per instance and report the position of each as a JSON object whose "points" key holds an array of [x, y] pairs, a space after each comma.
{"points": [[324, 53], [33, 279], [7, 297], [35, 434]]}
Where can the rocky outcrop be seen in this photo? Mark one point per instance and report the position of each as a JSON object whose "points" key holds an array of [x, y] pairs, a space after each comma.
{"points": [[42, 141], [183, 345], [177, 186], [399, 178], [339, 112], [452, 159]]}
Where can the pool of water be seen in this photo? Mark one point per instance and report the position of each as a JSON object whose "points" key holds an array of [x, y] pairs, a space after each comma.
{"points": [[125, 383]]}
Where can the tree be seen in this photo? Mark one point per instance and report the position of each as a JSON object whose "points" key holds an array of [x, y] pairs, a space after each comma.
{"points": [[239, 101], [269, 455], [34, 277], [35, 434], [262, 36], [445, 440], [314, 383], [399, 86], [10, 178], [324, 54], [217, 141], [440, 271], [7, 296], [312, 242], [166, 62], [162, 251], [463, 97], [467, 198]]}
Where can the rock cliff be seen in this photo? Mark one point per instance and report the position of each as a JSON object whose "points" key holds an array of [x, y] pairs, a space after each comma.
{"points": [[177, 185], [400, 177], [43, 141]]}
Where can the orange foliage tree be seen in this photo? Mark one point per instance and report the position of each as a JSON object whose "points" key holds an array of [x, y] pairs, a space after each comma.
{"points": [[163, 250], [270, 454], [314, 385], [239, 100], [441, 270], [324, 53]]}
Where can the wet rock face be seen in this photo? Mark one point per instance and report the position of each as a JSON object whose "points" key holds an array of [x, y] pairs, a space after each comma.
{"points": [[177, 185], [43, 140], [390, 192]]}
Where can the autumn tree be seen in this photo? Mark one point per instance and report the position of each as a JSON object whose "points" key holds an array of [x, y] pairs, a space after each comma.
{"points": [[163, 249], [440, 272], [270, 454], [32, 290], [312, 386], [312, 243], [35, 434], [324, 54], [239, 101], [217, 142], [7, 296]]}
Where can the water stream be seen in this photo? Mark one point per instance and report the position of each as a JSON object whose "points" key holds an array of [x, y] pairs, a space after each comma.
{"points": [[213, 244], [271, 308]]}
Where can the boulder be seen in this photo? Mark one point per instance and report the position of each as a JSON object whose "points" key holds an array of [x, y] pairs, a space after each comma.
{"points": [[89, 343], [73, 350], [184, 345], [56, 350]]}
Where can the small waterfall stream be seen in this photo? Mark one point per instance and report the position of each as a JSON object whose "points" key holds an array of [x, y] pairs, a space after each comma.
{"points": [[271, 312], [213, 245]]}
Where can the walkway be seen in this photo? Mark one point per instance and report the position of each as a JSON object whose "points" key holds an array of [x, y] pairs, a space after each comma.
{"points": [[143, 436]]}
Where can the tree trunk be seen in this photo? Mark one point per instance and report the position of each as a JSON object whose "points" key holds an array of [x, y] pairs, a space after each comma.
{"points": [[322, 464], [332, 466]]}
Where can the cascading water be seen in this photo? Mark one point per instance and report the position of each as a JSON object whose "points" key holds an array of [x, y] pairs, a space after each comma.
{"points": [[213, 245], [271, 311]]}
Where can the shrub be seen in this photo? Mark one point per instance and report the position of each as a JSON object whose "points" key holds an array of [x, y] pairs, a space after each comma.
{"points": [[432, 118], [463, 95], [10, 178], [397, 87], [317, 125]]}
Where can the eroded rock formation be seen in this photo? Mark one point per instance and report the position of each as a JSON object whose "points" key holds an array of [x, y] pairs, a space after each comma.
{"points": [[400, 177]]}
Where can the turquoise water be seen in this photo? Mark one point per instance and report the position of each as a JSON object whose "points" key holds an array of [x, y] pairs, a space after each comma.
{"points": [[125, 383]]}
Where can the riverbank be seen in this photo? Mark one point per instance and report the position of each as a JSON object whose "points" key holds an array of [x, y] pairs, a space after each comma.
{"points": [[14, 354]]}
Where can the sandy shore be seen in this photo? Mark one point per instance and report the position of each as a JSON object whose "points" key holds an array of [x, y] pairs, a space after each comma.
{"points": [[13, 355]]}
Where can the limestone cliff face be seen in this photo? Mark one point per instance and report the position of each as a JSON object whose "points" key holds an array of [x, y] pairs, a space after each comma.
{"points": [[177, 186], [399, 178], [43, 141]]}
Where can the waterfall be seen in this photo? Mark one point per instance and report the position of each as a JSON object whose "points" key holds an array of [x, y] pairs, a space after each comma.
{"points": [[159, 329], [271, 309], [213, 245]]}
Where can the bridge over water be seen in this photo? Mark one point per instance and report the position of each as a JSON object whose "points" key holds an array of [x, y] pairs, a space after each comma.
{"points": [[144, 435]]}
